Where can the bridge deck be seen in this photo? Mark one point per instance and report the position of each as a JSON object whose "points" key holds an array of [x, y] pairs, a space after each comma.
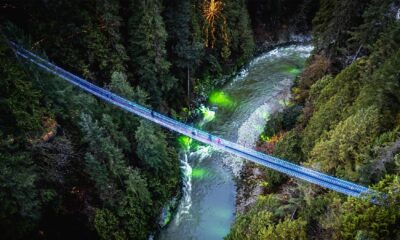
{"points": [[274, 163]]}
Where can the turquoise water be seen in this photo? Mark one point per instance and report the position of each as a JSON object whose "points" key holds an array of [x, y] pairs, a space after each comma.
{"points": [[239, 112]]}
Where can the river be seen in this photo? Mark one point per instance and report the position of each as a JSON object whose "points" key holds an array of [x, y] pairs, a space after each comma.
{"points": [[237, 112]]}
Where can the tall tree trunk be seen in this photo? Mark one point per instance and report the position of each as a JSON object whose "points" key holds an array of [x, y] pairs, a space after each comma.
{"points": [[188, 83]]}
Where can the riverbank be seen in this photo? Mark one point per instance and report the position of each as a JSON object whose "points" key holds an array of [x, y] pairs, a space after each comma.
{"points": [[239, 113], [251, 181]]}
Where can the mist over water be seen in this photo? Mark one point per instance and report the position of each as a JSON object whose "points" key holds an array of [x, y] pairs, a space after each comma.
{"points": [[207, 208]]}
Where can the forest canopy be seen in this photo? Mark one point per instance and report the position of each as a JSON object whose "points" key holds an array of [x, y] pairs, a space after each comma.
{"points": [[343, 120], [74, 167]]}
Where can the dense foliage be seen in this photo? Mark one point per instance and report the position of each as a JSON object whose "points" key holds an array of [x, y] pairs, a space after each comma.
{"points": [[348, 127], [69, 163], [72, 166], [274, 19]]}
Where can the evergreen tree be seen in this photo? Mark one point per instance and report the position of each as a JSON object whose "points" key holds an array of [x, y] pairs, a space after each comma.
{"points": [[20, 125], [127, 123], [146, 48], [20, 204], [239, 31], [110, 24], [333, 24], [16, 90], [158, 159], [359, 219], [376, 19], [185, 49], [135, 207], [343, 148], [264, 221], [107, 225], [101, 158]]}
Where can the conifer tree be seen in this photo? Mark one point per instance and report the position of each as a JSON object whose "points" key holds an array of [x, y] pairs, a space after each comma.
{"points": [[157, 158], [147, 50], [185, 49]]}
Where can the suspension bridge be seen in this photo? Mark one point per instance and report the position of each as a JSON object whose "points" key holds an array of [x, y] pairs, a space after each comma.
{"points": [[293, 170]]}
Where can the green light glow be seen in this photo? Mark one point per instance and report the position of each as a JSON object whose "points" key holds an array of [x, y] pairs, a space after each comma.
{"points": [[219, 98], [185, 142], [199, 173], [208, 115], [195, 145], [220, 214], [264, 137], [294, 71]]}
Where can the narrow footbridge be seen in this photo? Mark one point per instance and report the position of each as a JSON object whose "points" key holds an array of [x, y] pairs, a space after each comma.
{"points": [[274, 163]]}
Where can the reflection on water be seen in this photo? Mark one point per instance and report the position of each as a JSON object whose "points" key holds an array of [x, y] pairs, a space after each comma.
{"points": [[207, 208], [199, 173]]}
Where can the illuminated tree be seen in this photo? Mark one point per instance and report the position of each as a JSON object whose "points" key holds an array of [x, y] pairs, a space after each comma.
{"points": [[214, 19]]}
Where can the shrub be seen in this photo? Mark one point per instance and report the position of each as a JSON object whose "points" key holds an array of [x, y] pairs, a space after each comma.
{"points": [[318, 67], [342, 148], [359, 218]]}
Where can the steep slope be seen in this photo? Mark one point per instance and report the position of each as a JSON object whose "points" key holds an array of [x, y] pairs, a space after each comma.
{"points": [[348, 126]]}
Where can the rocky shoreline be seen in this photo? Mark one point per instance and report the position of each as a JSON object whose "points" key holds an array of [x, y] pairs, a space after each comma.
{"points": [[250, 182]]}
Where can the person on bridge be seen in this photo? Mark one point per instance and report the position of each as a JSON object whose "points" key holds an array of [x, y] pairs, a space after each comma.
{"points": [[219, 140], [210, 137], [152, 113]]}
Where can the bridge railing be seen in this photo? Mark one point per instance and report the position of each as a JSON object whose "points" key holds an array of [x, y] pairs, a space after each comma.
{"points": [[263, 159]]}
